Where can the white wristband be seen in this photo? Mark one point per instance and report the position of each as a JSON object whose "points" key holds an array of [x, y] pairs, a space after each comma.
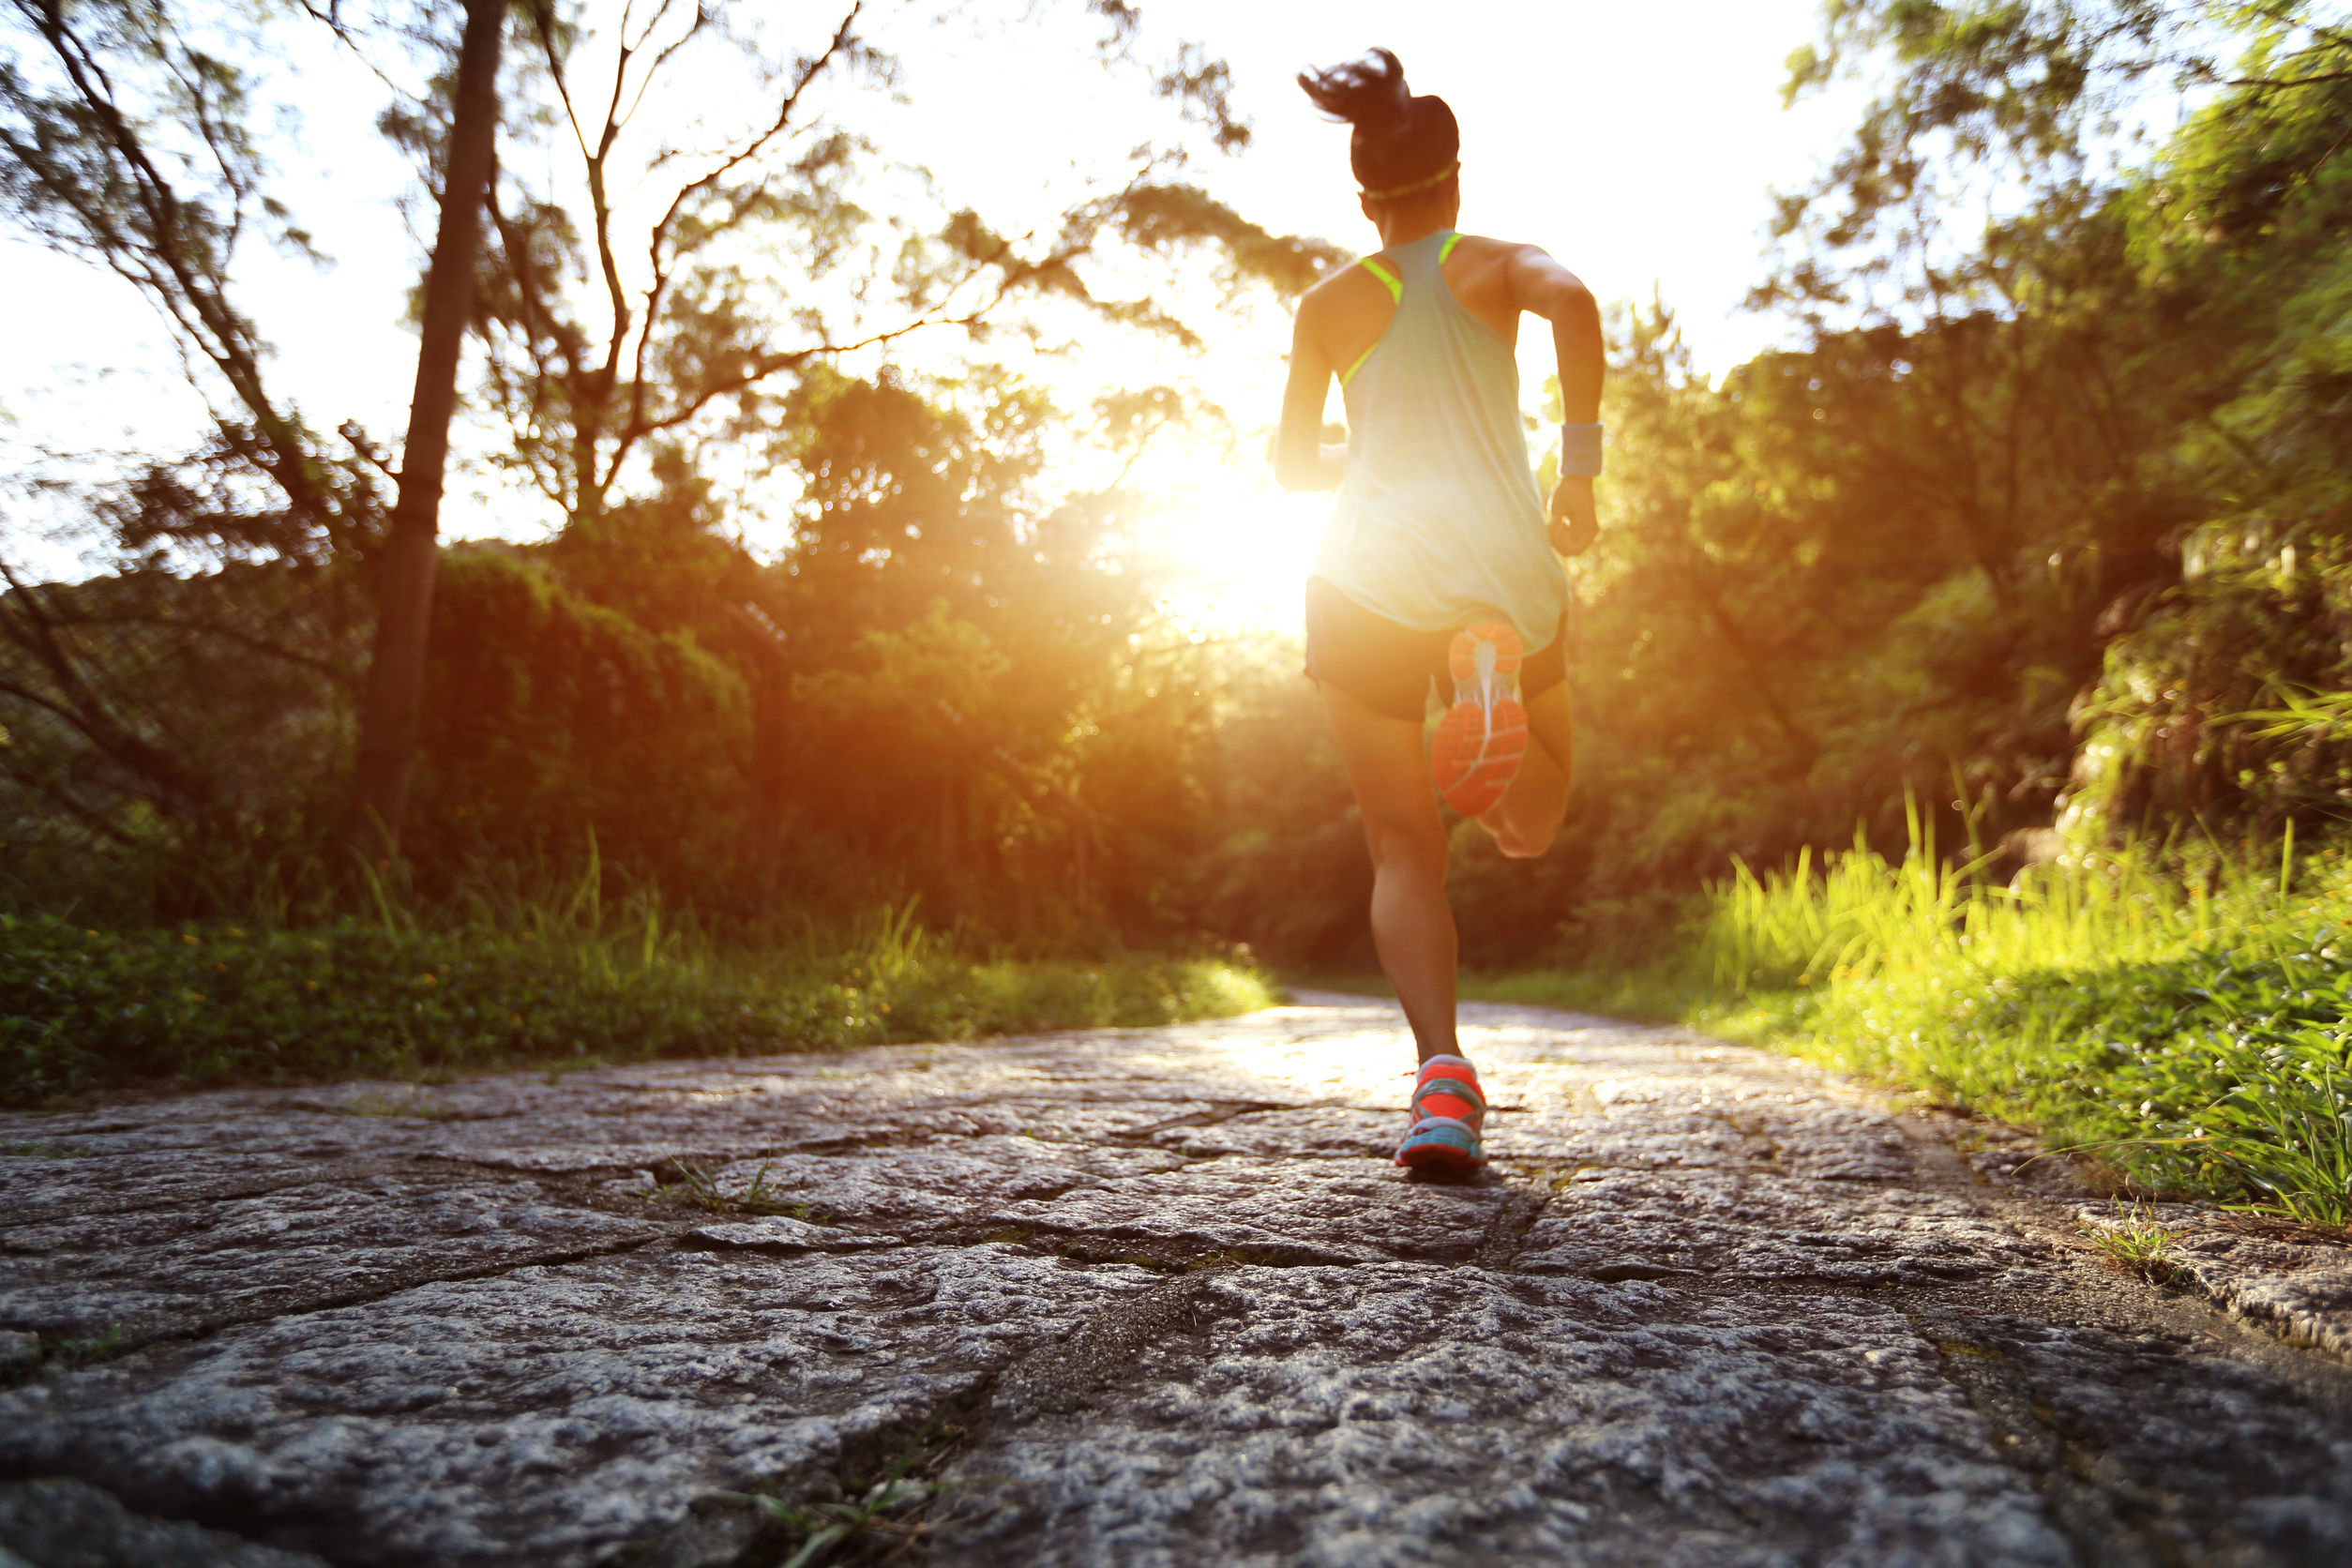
{"points": [[1580, 451]]}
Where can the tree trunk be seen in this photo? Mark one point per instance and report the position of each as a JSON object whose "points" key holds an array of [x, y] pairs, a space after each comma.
{"points": [[404, 582]]}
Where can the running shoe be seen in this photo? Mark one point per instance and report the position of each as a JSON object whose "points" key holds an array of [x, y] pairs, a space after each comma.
{"points": [[1448, 1110], [1483, 736]]}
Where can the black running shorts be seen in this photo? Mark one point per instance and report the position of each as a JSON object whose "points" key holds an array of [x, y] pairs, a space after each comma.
{"points": [[1388, 667]]}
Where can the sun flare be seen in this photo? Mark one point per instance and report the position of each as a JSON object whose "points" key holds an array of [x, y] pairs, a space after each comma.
{"points": [[1243, 551]]}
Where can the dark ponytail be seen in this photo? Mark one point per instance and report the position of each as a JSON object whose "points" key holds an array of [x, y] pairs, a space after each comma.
{"points": [[1399, 139]]}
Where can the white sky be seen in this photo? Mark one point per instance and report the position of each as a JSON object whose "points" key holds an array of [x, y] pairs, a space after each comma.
{"points": [[1643, 162]]}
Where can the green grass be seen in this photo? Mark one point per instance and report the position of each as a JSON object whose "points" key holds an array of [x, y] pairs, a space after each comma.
{"points": [[85, 1009], [2186, 1014], [2137, 1244]]}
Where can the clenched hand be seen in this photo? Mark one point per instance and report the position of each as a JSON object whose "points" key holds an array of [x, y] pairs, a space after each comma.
{"points": [[1575, 523]]}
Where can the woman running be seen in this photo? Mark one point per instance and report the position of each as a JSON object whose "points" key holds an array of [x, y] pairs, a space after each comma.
{"points": [[1438, 563]]}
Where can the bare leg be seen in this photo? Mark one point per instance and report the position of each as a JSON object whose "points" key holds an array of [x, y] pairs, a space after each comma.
{"points": [[1527, 817], [1412, 929]]}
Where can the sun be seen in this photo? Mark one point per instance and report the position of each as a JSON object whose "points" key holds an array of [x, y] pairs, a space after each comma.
{"points": [[1242, 549]]}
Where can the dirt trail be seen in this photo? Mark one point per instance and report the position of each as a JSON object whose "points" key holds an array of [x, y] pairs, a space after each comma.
{"points": [[1147, 1297]]}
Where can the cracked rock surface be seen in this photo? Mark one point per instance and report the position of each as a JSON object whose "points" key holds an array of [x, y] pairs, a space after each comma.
{"points": [[1141, 1297]]}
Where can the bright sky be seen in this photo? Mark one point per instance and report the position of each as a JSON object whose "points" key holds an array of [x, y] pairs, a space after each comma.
{"points": [[1639, 150]]}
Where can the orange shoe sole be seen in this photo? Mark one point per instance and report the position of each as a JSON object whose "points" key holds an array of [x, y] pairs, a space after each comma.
{"points": [[1476, 754]]}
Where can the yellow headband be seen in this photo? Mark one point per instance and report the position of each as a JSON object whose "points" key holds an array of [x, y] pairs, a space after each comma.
{"points": [[1431, 183]]}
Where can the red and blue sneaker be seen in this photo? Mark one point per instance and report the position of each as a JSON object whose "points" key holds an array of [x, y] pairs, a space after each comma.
{"points": [[1483, 736], [1448, 1112]]}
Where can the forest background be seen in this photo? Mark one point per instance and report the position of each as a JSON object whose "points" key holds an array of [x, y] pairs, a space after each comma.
{"points": [[2033, 541]]}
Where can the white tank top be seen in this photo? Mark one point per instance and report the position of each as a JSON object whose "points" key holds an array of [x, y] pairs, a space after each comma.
{"points": [[1438, 523]]}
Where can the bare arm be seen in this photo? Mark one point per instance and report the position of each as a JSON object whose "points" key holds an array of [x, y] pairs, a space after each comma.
{"points": [[1542, 287], [1301, 462]]}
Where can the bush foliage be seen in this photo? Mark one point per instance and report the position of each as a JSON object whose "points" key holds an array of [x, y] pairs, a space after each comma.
{"points": [[2183, 1015], [84, 1008]]}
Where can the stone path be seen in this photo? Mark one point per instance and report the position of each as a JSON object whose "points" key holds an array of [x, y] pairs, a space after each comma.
{"points": [[1135, 1298]]}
